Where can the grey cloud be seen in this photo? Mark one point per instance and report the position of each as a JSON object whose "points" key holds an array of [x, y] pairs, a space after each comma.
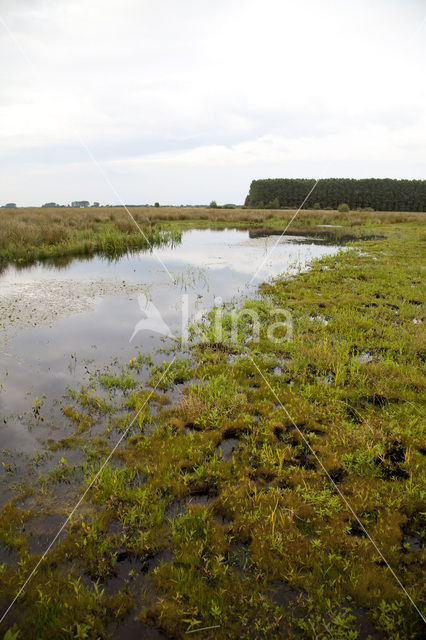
{"points": [[140, 80]]}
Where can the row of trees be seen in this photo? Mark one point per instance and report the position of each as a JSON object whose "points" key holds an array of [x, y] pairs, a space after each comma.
{"points": [[379, 194]]}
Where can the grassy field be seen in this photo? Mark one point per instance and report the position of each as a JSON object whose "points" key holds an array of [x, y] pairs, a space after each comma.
{"points": [[227, 511], [27, 235]]}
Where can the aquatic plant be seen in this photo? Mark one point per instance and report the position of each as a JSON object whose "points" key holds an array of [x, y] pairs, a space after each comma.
{"points": [[227, 509]]}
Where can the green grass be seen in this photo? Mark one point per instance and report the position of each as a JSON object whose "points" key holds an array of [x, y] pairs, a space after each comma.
{"points": [[27, 235], [216, 538], [31, 235]]}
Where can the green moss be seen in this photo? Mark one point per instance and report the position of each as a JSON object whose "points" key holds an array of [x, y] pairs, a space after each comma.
{"points": [[216, 536]]}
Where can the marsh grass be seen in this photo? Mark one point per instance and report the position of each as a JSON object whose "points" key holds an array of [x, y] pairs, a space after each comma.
{"points": [[40, 234], [269, 499], [33, 234]]}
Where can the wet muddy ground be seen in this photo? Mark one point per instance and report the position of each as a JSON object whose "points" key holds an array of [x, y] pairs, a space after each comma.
{"points": [[212, 491]]}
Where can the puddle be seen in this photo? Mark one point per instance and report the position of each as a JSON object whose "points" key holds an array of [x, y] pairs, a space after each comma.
{"points": [[235, 357], [129, 575], [7, 556], [190, 427], [324, 320], [162, 557], [239, 558], [42, 529], [89, 309], [390, 463], [364, 357], [286, 596], [178, 507], [132, 629], [323, 235], [114, 528], [367, 630], [227, 447], [24, 305], [221, 519], [412, 543]]}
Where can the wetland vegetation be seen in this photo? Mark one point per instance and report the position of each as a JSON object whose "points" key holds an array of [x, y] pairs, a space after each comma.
{"points": [[31, 234], [224, 510], [28, 235]]}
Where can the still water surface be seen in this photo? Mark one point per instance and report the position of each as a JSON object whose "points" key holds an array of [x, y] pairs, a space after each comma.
{"points": [[57, 320]]}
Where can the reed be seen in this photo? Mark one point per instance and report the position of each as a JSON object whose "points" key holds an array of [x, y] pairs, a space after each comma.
{"points": [[261, 543], [31, 234], [38, 234]]}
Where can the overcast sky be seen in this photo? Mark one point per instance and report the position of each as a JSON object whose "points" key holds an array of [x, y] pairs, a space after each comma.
{"points": [[186, 101]]}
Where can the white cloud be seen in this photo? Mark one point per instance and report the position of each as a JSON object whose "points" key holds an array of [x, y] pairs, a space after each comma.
{"points": [[186, 101]]}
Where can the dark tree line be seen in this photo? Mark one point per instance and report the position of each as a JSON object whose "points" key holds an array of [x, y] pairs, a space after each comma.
{"points": [[379, 194]]}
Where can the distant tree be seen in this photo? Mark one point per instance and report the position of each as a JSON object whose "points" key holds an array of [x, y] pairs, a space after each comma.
{"points": [[343, 208], [10, 205], [50, 205], [274, 204], [316, 206], [156, 204], [80, 203], [95, 204], [213, 204], [380, 194]]}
